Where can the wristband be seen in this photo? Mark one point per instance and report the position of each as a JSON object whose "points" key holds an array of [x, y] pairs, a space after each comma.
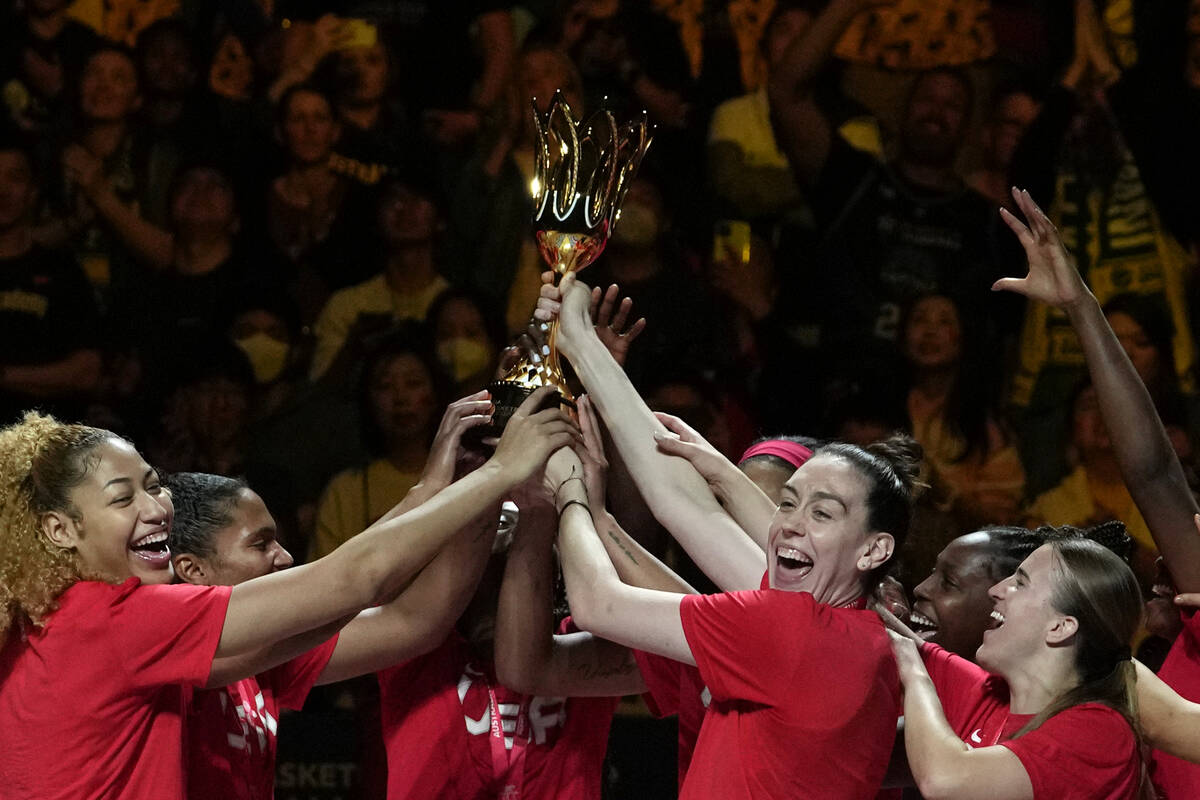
{"points": [[579, 503]]}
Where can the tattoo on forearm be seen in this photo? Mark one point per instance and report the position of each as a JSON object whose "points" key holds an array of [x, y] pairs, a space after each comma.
{"points": [[624, 549]]}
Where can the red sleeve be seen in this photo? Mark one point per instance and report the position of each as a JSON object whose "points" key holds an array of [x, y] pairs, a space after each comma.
{"points": [[168, 634], [765, 583], [293, 680], [737, 643], [661, 675], [958, 682], [1085, 751]]}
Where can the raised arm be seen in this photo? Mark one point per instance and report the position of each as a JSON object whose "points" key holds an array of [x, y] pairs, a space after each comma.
{"points": [[942, 764], [749, 506], [635, 565], [421, 617], [677, 495], [151, 244], [600, 603], [529, 657], [804, 132], [1149, 466], [377, 564]]}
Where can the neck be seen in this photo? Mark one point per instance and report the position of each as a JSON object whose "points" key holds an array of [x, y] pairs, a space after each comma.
{"points": [[410, 267], [16, 241], [408, 455], [316, 178], [933, 384], [103, 138], [928, 176], [1034, 685], [362, 117], [202, 255]]}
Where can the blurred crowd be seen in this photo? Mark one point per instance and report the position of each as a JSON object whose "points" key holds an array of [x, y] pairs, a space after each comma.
{"points": [[274, 238]]}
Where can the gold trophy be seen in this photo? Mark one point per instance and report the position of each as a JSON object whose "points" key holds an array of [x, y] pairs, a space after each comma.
{"points": [[581, 174]]}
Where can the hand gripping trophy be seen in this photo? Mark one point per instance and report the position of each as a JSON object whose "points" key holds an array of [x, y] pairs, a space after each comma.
{"points": [[581, 174]]}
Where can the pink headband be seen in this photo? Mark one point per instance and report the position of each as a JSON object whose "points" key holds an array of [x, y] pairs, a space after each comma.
{"points": [[791, 452]]}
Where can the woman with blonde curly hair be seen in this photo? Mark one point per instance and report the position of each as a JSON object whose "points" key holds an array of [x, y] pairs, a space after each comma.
{"points": [[99, 655]]}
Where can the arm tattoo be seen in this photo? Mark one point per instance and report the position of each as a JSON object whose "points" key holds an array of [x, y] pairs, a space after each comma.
{"points": [[624, 549]]}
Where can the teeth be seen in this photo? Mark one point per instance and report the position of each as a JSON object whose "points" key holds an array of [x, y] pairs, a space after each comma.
{"points": [[783, 551], [153, 538], [921, 619], [996, 615]]}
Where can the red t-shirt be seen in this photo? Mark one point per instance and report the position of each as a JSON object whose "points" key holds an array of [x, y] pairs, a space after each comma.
{"points": [[1174, 778], [231, 731], [436, 714], [92, 704], [804, 697], [673, 687], [1087, 752]]}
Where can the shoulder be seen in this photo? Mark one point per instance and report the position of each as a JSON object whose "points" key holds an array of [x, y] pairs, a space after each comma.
{"points": [[345, 480]]}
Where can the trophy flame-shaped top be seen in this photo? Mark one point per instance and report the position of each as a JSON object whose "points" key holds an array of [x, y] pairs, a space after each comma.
{"points": [[583, 170]]}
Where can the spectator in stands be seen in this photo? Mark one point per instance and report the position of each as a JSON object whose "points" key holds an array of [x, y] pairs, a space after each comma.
{"points": [[409, 220], [42, 51], [1012, 110], [951, 401], [1094, 490], [313, 210], [400, 390], [48, 319], [890, 232], [467, 338]]}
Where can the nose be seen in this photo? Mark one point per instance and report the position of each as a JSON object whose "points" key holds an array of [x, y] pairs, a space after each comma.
{"points": [[283, 559], [922, 590], [151, 509], [997, 591]]}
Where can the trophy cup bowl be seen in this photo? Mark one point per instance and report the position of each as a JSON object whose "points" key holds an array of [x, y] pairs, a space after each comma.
{"points": [[581, 174]]}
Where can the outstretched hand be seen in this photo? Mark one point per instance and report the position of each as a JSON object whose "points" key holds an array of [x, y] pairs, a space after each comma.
{"points": [[1053, 277], [611, 328], [585, 309]]}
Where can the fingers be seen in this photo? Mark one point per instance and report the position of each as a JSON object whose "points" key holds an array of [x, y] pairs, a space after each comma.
{"points": [[1016, 285], [548, 279], [590, 427], [1188, 599], [635, 330], [508, 359], [1018, 227], [566, 284], [595, 306], [547, 308], [531, 404], [606, 307], [618, 322], [677, 426]]}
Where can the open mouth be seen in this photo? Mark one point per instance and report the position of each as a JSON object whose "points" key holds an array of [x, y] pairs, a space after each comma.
{"points": [[997, 620], [152, 548], [922, 625], [792, 562]]}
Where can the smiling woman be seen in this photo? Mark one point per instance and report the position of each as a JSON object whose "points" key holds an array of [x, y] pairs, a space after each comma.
{"points": [[87, 617]]}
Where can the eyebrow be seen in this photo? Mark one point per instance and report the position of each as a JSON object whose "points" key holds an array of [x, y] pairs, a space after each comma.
{"points": [[1022, 574], [148, 473], [830, 496]]}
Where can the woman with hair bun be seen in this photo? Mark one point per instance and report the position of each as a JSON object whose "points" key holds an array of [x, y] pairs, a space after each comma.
{"points": [[776, 726]]}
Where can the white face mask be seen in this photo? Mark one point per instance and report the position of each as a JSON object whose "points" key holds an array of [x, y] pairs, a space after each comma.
{"points": [[268, 356], [463, 357]]}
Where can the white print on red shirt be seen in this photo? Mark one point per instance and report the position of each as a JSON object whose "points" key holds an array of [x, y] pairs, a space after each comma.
{"points": [[247, 718], [547, 715]]}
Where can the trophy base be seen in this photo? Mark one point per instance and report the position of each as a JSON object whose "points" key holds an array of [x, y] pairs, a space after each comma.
{"points": [[507, 397]]}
